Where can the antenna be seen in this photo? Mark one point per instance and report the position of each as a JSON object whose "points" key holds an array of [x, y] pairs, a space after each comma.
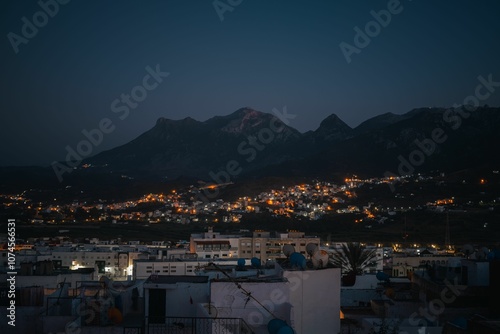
{"points": [[243, 290], [405, 233], [447, 242]]}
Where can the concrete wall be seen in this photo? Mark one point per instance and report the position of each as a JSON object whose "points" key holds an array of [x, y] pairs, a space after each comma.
{"points": [[315, 296], [478, 273], [181, 298], [231, 302]]}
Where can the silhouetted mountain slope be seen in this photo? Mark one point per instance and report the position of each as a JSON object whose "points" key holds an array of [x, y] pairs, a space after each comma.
{"points": [[249, 144], [193, 148], [405, 146]]}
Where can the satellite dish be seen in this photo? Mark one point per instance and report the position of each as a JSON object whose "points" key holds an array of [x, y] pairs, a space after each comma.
{"points": [[467, 250], [255, 262], [288, 250], [278, 326], [381, 276], [275, 325], [115, 315], [298, 260], [286, 330], [311, 249], [320, 259], [241, 264]]}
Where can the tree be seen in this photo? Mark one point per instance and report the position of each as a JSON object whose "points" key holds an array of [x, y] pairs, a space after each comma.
{"points": [[352, 258]]}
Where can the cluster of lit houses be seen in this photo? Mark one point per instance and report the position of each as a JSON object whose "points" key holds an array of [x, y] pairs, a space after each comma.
{"points": [[309, 201]]}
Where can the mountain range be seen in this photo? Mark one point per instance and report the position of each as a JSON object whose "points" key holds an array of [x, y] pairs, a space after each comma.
{"points": [[260, 143], [253, 144]]}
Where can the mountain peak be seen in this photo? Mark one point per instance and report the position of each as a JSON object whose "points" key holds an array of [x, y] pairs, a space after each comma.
{"points": [[333, 123], [333, 120], [248, 112], [333, 128], [186, 120], [162, 120]]}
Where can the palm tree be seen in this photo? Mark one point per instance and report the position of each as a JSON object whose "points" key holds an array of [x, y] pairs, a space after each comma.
{"points": [[352, 258]]}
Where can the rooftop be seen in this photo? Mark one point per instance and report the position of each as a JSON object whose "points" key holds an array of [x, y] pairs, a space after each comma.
{"points": [[163, 279]]}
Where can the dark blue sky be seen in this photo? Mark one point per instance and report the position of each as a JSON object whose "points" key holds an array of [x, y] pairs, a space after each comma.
{"points": [[264, 54]]}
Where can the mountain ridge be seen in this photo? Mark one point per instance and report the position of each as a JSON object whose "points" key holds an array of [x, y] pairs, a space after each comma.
{"points": [[260, 145]]}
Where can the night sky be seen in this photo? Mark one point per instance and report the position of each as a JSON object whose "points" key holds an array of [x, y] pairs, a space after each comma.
{"points": [[264, 54]]}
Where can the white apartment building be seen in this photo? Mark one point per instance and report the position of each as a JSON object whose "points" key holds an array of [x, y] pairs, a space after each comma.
{"points": [[213, 245], [142, 269], [266, 247]]}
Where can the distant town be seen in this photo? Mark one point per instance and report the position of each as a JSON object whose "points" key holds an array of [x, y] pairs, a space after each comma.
{"points": [[242, 264], [309, 201]]}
